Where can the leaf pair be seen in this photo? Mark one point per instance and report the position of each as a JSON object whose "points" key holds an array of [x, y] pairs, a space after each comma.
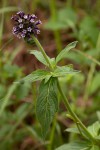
{"points": [[78, 146], [44, 74], [60, 56]]}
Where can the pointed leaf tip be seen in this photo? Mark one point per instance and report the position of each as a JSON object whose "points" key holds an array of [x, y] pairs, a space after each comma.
{"points": [[64, 52]]}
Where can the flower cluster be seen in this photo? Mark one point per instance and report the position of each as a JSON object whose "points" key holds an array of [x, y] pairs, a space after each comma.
{"points": [[25, 25]]}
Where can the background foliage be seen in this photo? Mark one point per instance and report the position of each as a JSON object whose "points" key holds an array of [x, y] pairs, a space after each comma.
{"points": [[63, 21]]}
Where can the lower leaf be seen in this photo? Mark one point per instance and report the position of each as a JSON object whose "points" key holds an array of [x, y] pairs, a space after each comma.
{"points": [[47, 104], [74, 146]]}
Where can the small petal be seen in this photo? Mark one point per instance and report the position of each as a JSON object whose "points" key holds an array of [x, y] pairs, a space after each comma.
{"points": [[29, 29], [20, 20], [29, 16], [13, 32], [22, 35], [14, 28], [20, 13], [15, 18], [25, 16], [38, 22], [21, 26], [32, 20], [33, 16], [24, 31], [38, 31]]}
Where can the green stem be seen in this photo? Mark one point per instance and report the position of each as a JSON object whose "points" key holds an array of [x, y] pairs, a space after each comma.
{"points": [[76, 119], [52, 134], [42, 51], [58, 40], [88, 57], [1, 28], [53, 10], [7, 97], [88, 83], [92, 71]]}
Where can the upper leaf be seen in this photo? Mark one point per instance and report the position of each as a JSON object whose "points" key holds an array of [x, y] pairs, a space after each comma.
{"points": [[39, 56], [63, 71], [47, 104], [35, 76], [63, 53], [74, 146]]}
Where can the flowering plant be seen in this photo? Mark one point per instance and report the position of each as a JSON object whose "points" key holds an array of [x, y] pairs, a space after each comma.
{"points": [[25, 26]]}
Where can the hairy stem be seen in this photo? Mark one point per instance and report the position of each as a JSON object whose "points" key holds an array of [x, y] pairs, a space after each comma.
{"points": [[42, 51], [76, 119]]}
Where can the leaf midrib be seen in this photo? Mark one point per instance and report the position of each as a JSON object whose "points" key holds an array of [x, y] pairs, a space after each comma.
{"points": [[47, 97]]}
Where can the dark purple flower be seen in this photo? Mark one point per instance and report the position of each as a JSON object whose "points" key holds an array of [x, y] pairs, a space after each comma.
{"points": [[20, 14], [20, 25], [29, 29], [25, 25]]}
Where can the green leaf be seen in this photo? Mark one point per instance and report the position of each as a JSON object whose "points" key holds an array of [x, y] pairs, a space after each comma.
{"points": [[89, 30], [54, 25], [74, 146], [5, 100], [39, 56], [8, 9], [2, 90], [95, 83], [94, 147], [47, 104], [22, 90], [35, 76], [47, 78], [53, 62], [98, 115], [64, 52], [73, 130], [98, 137], [11, 70], [63, 71], [68, 17], [94, 128]]}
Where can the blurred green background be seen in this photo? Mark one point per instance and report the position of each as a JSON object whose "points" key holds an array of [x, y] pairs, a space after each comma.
{"points": [[63, 21]]}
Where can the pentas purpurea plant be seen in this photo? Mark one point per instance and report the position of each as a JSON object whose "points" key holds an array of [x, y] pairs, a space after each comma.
{"points": [[47, 101]]}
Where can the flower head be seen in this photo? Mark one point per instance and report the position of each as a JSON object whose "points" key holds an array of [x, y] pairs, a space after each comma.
{"points": [[25, 25]]}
